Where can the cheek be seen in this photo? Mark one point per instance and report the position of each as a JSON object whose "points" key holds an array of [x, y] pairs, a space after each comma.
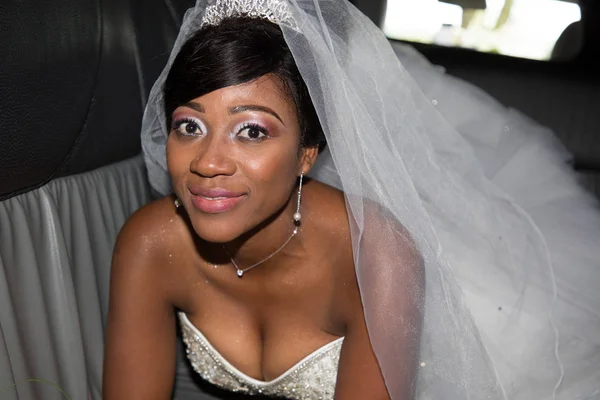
{"points": [[275, 169], [277, 162], [272, 179], [178, 158]]}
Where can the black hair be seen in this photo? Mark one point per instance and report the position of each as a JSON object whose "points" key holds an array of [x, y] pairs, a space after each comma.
{"points": [[236, 51]]}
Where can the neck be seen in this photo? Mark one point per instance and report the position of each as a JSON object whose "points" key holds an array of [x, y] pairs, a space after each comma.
{"points": [[260, 243]]}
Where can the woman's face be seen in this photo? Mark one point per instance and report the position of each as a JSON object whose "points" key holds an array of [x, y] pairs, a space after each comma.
{"points": [[233, 157]]}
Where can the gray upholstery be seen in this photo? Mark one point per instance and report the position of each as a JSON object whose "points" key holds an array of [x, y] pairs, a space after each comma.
{"points": [[55, 253], [591, 181]]}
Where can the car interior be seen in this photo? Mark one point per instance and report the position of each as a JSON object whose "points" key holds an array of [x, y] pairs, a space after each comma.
{"points": [[74, 79]]}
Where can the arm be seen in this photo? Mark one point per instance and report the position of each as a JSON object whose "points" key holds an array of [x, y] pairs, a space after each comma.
{"points": [[359, 376], [139, 357], [391, 298]]}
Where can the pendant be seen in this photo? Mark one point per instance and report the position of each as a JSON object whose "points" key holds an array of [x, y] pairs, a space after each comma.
{"points": [[240, 273]]}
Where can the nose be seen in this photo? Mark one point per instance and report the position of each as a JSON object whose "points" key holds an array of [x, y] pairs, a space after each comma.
{"points": [[213, 158]]}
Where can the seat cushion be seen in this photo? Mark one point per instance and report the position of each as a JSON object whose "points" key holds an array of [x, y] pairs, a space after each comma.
{"points": [[591, 180], [56, 245], [55, 253]]}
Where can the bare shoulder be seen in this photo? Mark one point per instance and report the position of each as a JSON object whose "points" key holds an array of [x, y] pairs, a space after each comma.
{"points": [[327, 208], [379, 228], [386, 250], [152, 231], [151, 246]]}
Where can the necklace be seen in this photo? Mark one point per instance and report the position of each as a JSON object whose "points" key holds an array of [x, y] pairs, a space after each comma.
{"points": [[296, 218], [241, 272]]}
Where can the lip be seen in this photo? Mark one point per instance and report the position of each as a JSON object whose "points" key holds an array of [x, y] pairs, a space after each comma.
{"points": [[215, 200]]}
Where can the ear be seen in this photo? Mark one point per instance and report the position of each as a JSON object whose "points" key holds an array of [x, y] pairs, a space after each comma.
{"points": [[308, 159]]}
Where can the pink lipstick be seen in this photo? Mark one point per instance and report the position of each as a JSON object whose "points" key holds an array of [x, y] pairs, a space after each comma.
{"points": [[215, 200]]}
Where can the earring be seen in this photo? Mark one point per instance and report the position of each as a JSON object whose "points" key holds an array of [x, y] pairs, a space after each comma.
{"points": [[177, 203], [297, 215]]}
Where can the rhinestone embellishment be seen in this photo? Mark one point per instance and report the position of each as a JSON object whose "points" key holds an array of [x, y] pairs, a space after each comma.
{"points": [[312, 378], [276, 11]]}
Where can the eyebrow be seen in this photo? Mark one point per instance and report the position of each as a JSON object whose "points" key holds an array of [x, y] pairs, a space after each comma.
{"points": [[254, 107], [195, 106], [237, 109]]}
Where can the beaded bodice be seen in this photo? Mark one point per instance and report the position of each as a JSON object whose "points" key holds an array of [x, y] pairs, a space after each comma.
{"points": [[313, 377]]}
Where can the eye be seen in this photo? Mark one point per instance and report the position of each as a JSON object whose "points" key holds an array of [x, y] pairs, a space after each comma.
{"points": [[252, 132], [188, 127]]}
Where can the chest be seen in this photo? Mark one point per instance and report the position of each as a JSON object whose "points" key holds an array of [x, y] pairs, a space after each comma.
{"points": [[313, 376], [266, 322], [262, 327], [265, 336]]}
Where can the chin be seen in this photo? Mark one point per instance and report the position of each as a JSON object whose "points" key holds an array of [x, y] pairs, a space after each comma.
{"points": [[217, 229]]}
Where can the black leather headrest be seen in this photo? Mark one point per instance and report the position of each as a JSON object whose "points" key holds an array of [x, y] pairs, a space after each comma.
{"points": [[74, 77]]}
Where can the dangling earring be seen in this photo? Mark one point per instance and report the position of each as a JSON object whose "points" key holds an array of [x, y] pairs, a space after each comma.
{"points": [[297, 215], [177, 203]]}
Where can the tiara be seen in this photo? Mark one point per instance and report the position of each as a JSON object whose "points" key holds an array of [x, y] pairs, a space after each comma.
{"points": [[276, 11]]}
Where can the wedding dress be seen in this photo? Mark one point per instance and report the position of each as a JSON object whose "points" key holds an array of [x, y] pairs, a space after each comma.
{"points": [[507, 237], [313, 377]]}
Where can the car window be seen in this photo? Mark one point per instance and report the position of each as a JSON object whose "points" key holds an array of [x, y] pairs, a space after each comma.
{"points": [[534, 29]]}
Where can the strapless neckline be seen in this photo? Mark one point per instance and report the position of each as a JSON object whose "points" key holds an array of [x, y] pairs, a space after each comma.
{"points": [[184, 319]]}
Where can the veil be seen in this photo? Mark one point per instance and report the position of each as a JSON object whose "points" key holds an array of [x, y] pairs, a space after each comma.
{"points": [[411, 181]]}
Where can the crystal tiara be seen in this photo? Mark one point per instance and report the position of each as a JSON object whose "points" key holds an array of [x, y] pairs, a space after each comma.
{"points": [[276, 11]]}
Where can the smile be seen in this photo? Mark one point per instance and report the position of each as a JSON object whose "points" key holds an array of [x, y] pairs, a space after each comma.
{"points": [[214, 201], [214, 198]]}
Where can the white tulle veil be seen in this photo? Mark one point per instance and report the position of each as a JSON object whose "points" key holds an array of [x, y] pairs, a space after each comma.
{"points": [[403, 168]]}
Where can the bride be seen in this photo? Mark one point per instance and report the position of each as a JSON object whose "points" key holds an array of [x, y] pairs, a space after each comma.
{"points": [[331, 229]]}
